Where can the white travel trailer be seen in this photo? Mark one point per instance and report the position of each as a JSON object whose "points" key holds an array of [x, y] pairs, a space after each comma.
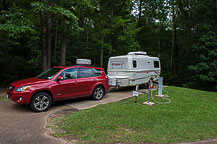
{"points": [[133, 69]]}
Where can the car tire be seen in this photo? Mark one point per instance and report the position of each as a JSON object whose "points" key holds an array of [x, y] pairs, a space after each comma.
{"points": [[98, 93], [40, 102]]}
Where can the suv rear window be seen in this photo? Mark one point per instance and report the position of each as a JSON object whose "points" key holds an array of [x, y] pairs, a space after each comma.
{"points": [[85, 72], [97, 72]]}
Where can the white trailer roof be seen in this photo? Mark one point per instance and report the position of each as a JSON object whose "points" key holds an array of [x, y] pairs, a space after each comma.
{"points": [[134, 56]]}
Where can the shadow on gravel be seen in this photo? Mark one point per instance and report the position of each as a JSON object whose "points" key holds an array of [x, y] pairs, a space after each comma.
{"points": [[19, 108], [70, 101]]}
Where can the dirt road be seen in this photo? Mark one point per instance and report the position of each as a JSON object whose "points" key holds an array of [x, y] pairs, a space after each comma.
{"points": [[18, 124]]}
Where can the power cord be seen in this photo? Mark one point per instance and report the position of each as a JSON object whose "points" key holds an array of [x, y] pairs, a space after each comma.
{"points": [[166, 97]]}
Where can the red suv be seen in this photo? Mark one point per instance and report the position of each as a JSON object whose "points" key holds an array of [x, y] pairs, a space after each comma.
{"points": [[59, 83]]}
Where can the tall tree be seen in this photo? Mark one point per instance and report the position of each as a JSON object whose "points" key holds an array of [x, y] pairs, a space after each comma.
{"points": [[63, 44], [43, 43], [173, 32], [49, 24], [47, 9]]}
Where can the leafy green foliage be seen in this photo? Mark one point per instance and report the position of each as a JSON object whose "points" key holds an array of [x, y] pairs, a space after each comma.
{"points": [[114, 28], [16, 22], [60, 12], [205, 69]]}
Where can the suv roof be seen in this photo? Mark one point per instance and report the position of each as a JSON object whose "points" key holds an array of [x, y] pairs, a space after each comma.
{"points": [[86, 66]]}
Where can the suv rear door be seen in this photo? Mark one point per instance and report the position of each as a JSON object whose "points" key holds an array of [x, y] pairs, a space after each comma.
{"points": [[86, 80]]}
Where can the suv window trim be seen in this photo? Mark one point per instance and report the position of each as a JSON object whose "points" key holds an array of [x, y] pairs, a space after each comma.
{"points": [[78, 72]]}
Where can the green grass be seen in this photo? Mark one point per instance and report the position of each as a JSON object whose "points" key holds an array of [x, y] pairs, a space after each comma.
{"points": [[191, 116], [2, 94], [2, 98]]}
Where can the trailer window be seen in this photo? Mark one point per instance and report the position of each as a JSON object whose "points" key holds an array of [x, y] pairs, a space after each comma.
{"points": [[156, 64], [134, 64]]}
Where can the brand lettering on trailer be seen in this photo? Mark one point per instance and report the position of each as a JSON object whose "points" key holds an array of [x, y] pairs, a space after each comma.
{"points": [[117, 65]]}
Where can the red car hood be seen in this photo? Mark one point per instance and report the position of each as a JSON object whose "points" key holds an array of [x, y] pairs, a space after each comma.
{"points": [[28, 81]]}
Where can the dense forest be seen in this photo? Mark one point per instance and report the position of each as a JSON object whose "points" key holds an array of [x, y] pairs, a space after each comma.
{"points": [[36, 35]]}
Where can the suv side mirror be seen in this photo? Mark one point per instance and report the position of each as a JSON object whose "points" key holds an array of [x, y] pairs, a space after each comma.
{"points": [[60, 78]]}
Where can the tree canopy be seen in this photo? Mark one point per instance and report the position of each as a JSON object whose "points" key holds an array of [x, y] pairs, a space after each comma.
{"points": [[37, 35]]}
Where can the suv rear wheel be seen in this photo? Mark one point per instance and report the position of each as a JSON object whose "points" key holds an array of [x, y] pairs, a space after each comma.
{"points": [[98, 93], [40, 102]]}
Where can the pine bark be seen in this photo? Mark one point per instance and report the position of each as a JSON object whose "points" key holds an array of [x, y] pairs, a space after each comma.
{"points": [[63, 44], [49, 41], [140, 13], [43, 44], [102, 54], [174, 37], [55, 43]]}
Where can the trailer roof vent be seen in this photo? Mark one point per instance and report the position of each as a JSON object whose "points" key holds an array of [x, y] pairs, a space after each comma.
{"points": [[83, 61], [137, 53]]}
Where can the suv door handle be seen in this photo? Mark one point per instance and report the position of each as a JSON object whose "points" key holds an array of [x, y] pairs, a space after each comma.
{"points": [[76, 82], [95, 80]]}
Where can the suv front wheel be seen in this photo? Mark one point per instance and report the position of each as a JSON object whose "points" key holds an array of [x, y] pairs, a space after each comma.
{"points": [[40, 102], [98, 93]]}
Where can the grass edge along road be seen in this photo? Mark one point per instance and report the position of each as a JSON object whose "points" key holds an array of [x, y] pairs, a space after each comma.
{"points": [[190, 117]]}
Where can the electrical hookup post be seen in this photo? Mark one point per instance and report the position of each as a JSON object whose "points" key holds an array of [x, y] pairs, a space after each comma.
{"points": [[160, 94], [149, 95], [160, 88], [136, 93]]}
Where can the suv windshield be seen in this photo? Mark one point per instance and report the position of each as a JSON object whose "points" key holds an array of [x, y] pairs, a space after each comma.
{"points": [[49, 74]]}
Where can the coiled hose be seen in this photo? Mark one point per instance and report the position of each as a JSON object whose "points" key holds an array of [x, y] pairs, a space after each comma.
{"points": [[166, 97]]}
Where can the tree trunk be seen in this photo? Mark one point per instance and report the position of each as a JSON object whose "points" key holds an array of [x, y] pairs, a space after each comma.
{"points": [[159, 46], [81, 21], [55, 43], [101, 58], [101, 54], [43, 44], [112, 12], [140, 13], [174, 37], [63, 44], [48, 41]]}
